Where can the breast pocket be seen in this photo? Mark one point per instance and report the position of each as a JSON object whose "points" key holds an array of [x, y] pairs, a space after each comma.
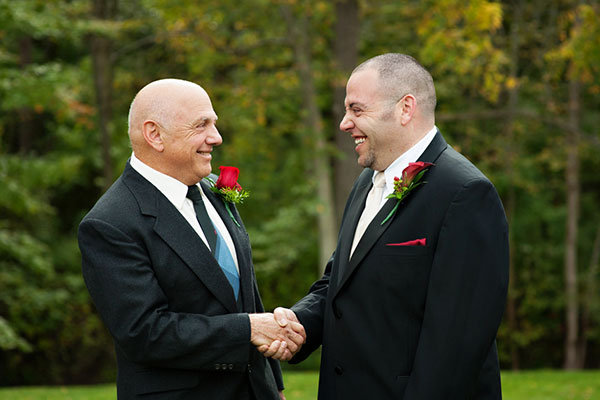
{"points": [[391, 250], [403, 266]]}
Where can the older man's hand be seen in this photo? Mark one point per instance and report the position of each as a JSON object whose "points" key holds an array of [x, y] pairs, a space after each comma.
{"points": [[279, 339], [278, 349]]}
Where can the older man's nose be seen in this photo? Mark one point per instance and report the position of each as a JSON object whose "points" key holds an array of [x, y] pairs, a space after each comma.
{"points": [[214, 137]]}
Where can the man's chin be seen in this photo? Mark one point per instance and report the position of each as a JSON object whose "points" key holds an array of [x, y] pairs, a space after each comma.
{"points": [[204, 172], [364, 163]]}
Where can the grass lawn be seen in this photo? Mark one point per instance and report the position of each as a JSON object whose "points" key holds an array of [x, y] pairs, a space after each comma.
{"points": [[550, 385], [527, 385]]}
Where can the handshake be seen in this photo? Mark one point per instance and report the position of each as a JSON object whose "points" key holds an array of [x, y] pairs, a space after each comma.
{"points": [[278, 335]]}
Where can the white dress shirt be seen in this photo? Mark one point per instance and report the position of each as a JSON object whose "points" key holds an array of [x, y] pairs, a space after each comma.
{"points": [[176, 192], [396, 168]]}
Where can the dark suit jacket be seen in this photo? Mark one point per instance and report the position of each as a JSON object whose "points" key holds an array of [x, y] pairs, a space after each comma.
{"points": [[178, 331], [414, 322]]}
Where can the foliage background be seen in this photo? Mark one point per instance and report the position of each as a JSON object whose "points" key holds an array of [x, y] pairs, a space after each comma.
{"points": [[518, 87]]}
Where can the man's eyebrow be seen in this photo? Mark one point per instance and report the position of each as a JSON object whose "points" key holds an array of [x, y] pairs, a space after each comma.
{"points": [[199, 120], [205, 119], [356, 103]]}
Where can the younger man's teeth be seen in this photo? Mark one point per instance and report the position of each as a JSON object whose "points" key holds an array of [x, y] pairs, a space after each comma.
{"points": [[359, 140]]}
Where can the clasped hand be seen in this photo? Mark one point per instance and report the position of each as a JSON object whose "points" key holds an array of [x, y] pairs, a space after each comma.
{"points": [[278, 335]]}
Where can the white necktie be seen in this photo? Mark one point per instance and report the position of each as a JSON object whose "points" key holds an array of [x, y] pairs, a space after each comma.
{"points": [[372, 207]]}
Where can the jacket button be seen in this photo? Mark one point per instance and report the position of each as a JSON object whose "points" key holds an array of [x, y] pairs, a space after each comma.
{"points": [[230, 367], [338, 370], [224, 366], [217, 366]]}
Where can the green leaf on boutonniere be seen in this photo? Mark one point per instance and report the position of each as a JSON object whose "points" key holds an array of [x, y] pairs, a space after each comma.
{"points": [[229, 189], [411, 178]]}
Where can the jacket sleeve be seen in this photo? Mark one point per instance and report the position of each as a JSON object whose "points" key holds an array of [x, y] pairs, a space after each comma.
{"points": [[119, 276], [466, 295], [275, 366], [310, 311]]}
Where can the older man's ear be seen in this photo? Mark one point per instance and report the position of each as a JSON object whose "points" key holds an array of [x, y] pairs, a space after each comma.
{"points": [[151, 132]]}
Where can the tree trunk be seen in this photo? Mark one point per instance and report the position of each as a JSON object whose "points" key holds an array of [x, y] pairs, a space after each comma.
{"points": [[510, 157], [299, 35], [25, 125], [101, 47], [590, 302], [346, 167], [572, 194]]}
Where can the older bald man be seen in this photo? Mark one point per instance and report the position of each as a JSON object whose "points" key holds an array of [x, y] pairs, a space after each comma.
{"points": [[177, 293]]}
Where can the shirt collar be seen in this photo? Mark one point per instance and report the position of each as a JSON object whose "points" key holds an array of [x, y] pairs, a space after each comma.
{"points": [[411, 155], [174, 190]]}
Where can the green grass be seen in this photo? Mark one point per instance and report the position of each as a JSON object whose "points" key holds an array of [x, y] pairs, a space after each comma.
{"points": [[550, 385], [527, 385], [96, 392], [301, 385]]}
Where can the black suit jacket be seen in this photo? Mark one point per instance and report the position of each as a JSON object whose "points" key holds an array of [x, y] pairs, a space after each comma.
{"points": [[414, 322], [178, 331]]}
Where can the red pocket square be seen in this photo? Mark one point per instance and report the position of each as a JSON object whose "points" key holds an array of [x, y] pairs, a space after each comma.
{"points": [[417, 242]]}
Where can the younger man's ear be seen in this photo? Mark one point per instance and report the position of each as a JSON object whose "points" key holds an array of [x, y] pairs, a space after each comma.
{"points": [[406, 108]]}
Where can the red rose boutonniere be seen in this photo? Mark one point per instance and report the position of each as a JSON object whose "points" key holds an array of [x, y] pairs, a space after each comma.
{"points": [[411, 178], [228, 188]]}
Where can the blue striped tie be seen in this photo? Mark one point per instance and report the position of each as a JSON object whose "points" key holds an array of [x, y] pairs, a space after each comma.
{"points": [[217, 244], [223, 256]]}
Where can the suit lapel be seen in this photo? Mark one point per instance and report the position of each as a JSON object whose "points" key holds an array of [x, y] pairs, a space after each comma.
{"points": [[370, 236], [435, 148], [241, 244], [172, 228], [375, 229], [372, 233], [349, 224]]}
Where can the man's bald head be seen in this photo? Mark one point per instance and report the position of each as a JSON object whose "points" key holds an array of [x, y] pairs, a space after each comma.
{"points": [[172, 128], [159, 101], [400, 74]]}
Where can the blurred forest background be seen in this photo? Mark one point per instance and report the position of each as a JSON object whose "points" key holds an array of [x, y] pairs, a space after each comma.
{"points": [[518, 86]]}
